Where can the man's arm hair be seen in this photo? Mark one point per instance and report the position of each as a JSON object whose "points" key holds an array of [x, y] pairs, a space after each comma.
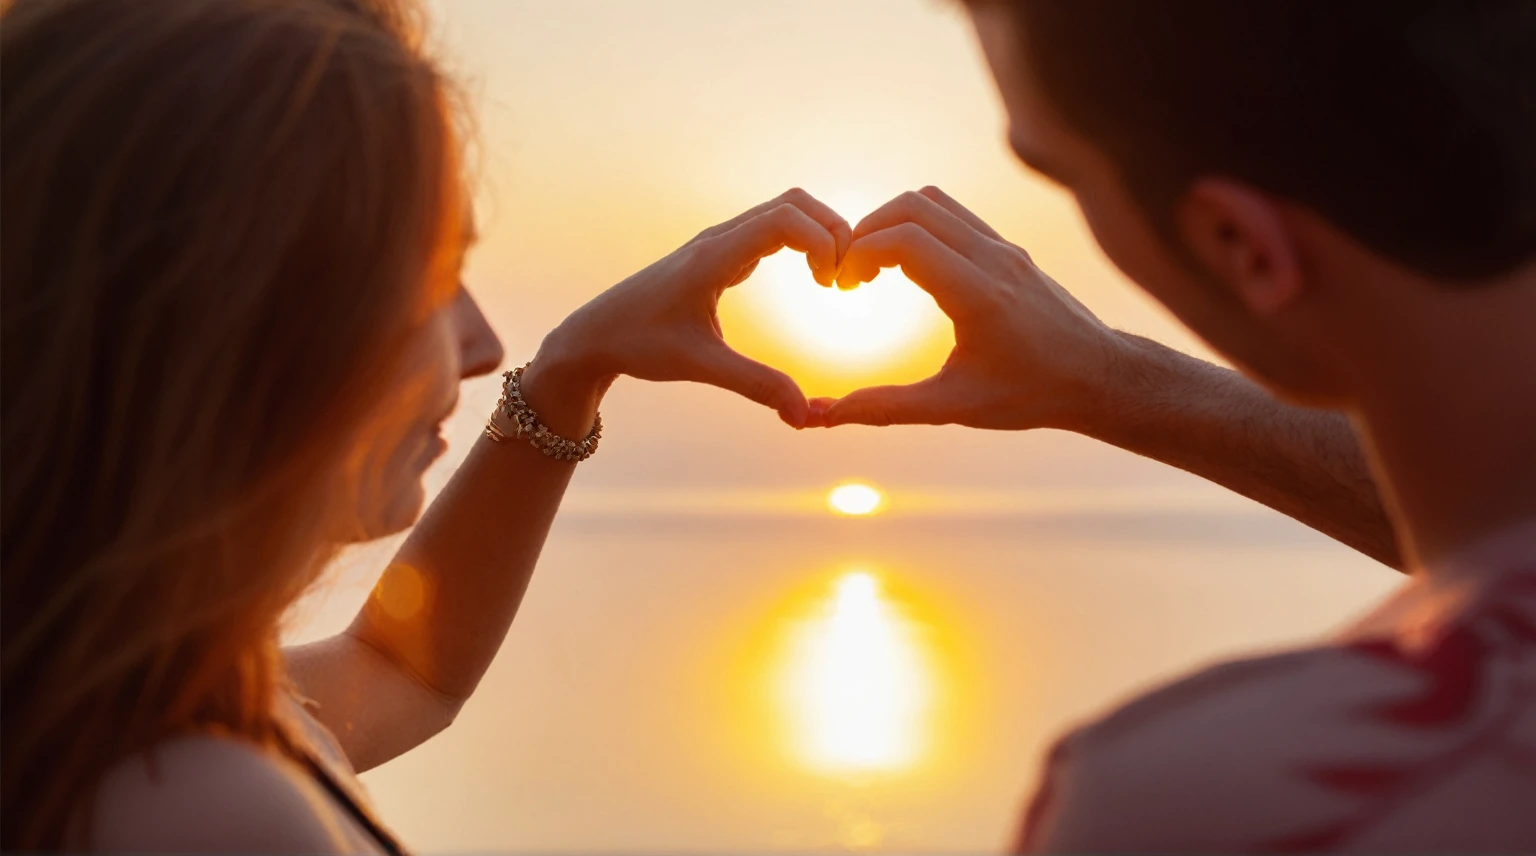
{"points": [[1218, 425]]}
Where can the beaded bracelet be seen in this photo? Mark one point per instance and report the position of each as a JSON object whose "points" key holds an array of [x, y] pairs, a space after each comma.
{"points": [[513, 418]]}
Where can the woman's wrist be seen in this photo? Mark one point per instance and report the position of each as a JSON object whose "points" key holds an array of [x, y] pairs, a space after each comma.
{"points": [[565, 387]]}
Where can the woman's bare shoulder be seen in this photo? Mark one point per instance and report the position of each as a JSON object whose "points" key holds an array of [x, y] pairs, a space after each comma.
{"points": [[203, 793]]}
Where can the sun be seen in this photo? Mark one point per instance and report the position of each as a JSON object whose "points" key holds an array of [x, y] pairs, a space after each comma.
{"points": [[855, 499], [864, 326], [831, 340]]}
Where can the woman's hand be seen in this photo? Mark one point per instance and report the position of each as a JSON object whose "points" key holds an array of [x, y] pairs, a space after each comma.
{"points": [[661, 324], [1027, 353]]}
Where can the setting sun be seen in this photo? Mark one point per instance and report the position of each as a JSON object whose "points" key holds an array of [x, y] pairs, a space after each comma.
{"points": [[864, 326], [855, 499], [831, 340], [857, 683]]}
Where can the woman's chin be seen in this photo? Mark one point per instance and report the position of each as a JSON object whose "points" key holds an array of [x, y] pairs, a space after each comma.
{"points": [[395, 515], [393, 511]]}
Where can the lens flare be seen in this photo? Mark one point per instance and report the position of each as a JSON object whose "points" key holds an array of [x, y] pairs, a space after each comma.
{"points": [[401, 592], [855, 499], [857, 685]]}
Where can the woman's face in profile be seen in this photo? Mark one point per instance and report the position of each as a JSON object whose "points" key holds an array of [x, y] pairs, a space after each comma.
{"points": [[452, 343]]}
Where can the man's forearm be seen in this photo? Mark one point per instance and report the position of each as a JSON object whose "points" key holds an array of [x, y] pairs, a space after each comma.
{"points": [[1216, 424]]}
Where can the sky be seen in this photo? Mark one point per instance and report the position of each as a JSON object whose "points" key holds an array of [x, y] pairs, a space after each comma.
{"points": [[708, 658], [612, 132]]}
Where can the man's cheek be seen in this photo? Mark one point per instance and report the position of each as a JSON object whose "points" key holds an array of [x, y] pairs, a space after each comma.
{"points": [[1131, 248]]}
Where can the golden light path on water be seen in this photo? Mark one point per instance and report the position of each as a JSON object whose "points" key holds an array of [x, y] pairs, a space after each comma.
{"points": [[856, 684]]}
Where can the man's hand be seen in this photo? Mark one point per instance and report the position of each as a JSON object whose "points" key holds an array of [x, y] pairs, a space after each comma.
{"points": [[661, 324], [1027, 353]]}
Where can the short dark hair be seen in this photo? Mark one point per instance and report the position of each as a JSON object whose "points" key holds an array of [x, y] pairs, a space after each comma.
{"points": [[1410, 124]]}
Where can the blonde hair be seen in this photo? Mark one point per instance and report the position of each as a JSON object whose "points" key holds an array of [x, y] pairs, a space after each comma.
{"points": [[217, 219]]}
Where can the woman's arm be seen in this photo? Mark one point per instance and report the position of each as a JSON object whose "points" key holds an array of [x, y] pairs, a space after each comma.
{"points": [[437, 616], [1029, 355], [421, 643]]}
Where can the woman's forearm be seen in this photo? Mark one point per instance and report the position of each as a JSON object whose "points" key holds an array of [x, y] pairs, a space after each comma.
{"points": [[438, 615], [1216, 424], [444, 605]]}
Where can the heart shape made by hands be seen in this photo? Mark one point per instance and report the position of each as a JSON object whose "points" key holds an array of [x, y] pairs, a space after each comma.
{"points": [[833, 341]]}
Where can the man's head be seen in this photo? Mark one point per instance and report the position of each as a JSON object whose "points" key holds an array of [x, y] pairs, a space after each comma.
{"points": [[1272, 169]]}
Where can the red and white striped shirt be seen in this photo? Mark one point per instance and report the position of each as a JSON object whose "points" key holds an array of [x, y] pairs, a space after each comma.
{"points": [[1413, 731]]}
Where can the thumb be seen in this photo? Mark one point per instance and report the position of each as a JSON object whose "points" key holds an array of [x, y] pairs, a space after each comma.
{"points": [[751, 379], [920, 403]]}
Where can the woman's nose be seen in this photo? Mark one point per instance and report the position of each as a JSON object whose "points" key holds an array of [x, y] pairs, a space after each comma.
{"points": [[480, 351]]}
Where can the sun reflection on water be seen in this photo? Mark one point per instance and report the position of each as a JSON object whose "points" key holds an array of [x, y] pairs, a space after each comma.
{"points": [[849, 691], [856, 683]]}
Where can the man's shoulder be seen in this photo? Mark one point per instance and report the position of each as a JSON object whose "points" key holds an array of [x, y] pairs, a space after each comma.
{"points": [[1415, 729], [1271, 695], [212, 794], [1223, 757]]}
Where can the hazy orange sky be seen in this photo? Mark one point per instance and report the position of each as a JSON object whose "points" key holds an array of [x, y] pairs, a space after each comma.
{"points": [[1026, 580], [611, 132]]}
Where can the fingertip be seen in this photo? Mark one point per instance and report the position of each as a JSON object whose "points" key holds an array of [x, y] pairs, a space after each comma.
{"points": [[795, 415], [792, 405], [822, 276], [842, 236], [816, 412], [849, 279], [832, 263]]}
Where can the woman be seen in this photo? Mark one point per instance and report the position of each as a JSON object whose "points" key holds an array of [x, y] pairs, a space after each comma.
{"points": [[233, 325]]}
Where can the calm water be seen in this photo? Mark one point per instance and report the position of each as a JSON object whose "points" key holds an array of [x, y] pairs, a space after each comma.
{"points": [[733, 672]]}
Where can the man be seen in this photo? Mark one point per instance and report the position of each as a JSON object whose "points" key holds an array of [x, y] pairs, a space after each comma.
{"points": [[1340, 196]]}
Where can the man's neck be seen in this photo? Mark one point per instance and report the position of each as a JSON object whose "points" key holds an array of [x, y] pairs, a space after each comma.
{"points": [[1451, 422]]}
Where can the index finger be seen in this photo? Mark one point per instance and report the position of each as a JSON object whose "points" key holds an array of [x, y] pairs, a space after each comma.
{"points": [[930, 263], [783, 226], [842, 233], [948, 203], [934, 218]]}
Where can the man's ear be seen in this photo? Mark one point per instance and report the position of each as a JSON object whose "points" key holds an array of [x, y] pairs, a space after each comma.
{"points": [[1240, 235]]}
